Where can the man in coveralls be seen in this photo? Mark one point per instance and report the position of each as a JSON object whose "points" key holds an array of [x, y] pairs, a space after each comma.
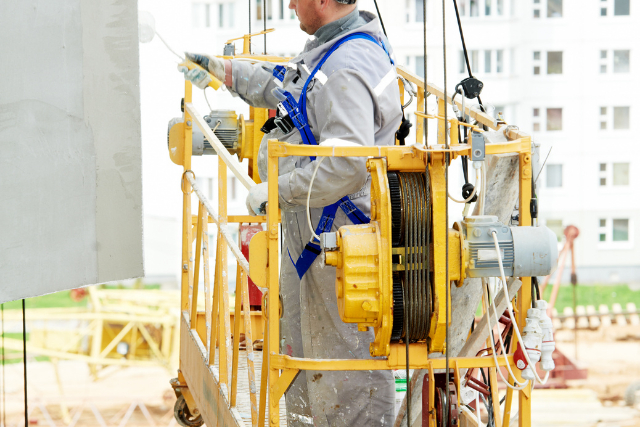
{"points": [[351, 98]]}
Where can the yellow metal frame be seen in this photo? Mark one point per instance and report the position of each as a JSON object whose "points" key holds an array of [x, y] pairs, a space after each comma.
{"points": [[214, 393]]}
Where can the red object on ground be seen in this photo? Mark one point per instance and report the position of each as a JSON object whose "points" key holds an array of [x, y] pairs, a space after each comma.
{"points": [[247, 231], [77, 294]]}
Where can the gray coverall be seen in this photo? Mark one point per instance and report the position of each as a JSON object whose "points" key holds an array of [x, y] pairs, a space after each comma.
{"points": [[356, 99]]}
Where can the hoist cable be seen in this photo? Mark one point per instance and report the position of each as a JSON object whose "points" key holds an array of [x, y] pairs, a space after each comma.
{"points": [[24, 362], [464, 47], [250, 26], [264, 20], [425, 122], [446, 414], [380, 18], [4, 390]]}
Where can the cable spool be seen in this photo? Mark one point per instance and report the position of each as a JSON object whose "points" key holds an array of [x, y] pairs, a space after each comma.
{"points": [[410, 213]]}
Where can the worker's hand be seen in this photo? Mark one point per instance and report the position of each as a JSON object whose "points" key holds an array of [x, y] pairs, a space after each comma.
{"points": [[198, 77], [257, 199], [213, 65]]}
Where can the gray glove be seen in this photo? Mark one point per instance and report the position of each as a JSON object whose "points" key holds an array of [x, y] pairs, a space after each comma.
{"points": [[214, 65]]}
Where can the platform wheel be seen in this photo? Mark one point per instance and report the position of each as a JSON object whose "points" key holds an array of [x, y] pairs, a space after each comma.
{"points": [[183, 415]]}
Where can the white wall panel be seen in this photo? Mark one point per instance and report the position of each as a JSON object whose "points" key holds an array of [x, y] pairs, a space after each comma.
{"points": [[70, 157]]}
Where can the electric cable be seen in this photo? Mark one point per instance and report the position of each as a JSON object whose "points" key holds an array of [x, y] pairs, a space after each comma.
{"points": [[473, 193], [510, 312], [313, 177], [486, 294], [24, 362], [264, 19]]}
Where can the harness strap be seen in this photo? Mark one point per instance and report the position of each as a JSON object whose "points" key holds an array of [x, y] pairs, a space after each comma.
{"points": [[312, 249], [297, 111]]}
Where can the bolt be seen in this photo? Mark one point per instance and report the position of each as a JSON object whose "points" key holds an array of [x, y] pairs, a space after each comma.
{"points": [[185, 267], [188, 122], [477, 232]]}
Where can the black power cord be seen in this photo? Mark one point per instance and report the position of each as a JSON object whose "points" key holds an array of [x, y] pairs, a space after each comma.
{"points": [[24, 362]]}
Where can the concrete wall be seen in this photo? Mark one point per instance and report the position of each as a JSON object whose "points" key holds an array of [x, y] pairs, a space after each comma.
{"points": [[70, 157]]}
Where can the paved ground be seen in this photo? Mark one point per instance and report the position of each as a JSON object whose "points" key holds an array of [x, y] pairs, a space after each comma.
{"points": [[612, 358]]}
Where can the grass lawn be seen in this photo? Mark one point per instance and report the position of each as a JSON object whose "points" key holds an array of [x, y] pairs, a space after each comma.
{"points": [[594, 295]]}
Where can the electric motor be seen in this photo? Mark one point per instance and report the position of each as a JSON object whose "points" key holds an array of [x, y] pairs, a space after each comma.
{"points": [[525, 251], [225, 126]]}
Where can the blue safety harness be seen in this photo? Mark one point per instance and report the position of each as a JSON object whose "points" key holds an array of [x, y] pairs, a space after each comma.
{"points": [[297, 112]]}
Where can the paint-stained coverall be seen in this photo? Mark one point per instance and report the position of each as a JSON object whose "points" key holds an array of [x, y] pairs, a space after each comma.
{"points": [[356, 99]]}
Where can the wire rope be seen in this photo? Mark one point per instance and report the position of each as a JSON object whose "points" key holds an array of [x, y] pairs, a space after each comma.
{"points": [[425, 122], [464, 45], [4, 392], [24, 362], [380, 18]]}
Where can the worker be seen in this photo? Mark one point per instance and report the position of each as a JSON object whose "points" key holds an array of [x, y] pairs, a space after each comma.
{"points": [[352, 99]]}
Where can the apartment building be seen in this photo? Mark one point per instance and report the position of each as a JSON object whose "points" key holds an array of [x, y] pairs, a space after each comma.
{"points": [[561, 70]]}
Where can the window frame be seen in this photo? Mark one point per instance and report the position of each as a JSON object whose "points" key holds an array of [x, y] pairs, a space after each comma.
{"points": [[607, 231]]}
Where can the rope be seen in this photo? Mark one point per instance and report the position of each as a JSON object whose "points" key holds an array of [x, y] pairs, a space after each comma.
{"points": [[380, 18], [250, 26], [425, 122], [264, 19], [4, 393], [464, 45], [445, 415], [24, 362]]}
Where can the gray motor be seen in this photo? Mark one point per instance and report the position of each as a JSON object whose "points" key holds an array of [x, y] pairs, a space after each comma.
{"points": [[525, 251], [224, 124]]}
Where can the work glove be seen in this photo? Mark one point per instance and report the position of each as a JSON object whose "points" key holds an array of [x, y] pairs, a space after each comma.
{"points": [[212, 64], [257, 199], [198, 77]]}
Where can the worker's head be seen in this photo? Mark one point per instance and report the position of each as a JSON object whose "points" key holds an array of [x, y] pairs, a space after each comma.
{"points": [[313, 14]]}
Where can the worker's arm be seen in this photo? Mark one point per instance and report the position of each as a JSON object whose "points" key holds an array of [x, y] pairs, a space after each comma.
{"points": [[345, 109], [252, 82]]}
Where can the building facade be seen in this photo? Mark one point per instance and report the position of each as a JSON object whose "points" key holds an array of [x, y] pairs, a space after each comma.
{"points": [[561, 70]]}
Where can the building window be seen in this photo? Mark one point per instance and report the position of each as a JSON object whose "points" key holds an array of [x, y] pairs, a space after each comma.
{"points": [[554, 176], [555, 225], [621, 61], [281, 10], [554, 119], [474, 8], [500, 7], [617, 118], [259, 10], [536, 63], [463, 63], [419, 65], [487, 61], [536, 119], [621, 7], [615, 173], [201, 15], [474, 61], [621, 174], [487, 7], [554, 62], [554, 8], [499, 61], [621, 118], [614, 230], [420, 10], [620, 230], [536, 9]]}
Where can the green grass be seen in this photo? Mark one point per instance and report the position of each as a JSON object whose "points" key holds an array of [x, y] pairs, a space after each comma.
{"points": [[58, 299], [589, 295], [62, 299], [594, 295]]}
